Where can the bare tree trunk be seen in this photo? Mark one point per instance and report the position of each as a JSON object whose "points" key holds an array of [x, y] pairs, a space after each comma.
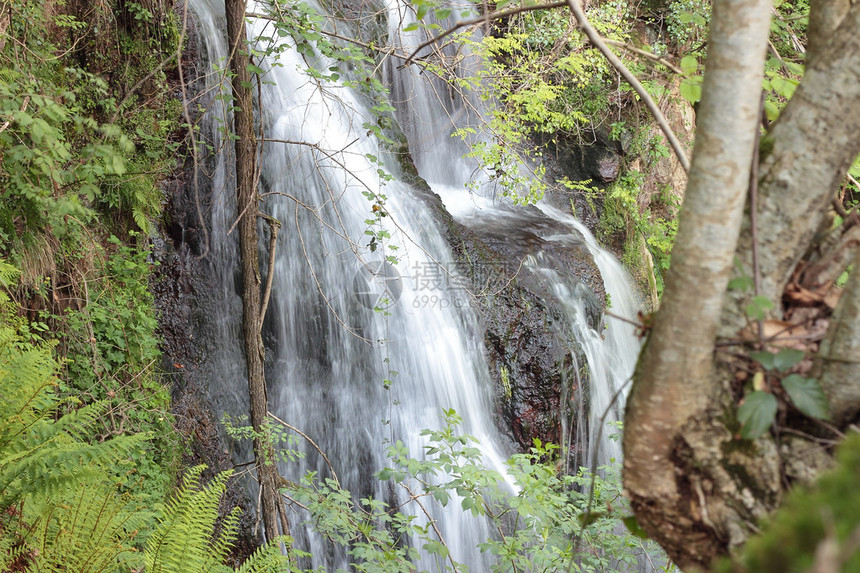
{"points": [[673, 387], [824, 17], [804, 158], [245, 146], [838, 359]]}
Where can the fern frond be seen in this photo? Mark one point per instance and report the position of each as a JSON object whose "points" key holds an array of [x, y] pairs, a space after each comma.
{"points": [[46, 469], [141, 220], [89, 531], [268, 558], [27, 379], [183, 541], [8, 274]]}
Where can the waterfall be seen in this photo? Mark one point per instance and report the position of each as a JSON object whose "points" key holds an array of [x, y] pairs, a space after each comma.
{"points": [[329, 350], [430, 114], [335, 336]]}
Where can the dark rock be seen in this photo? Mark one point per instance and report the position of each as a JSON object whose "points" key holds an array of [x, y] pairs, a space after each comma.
{"points": [[609, 168], [592, 158], [180, 285], [531, 351]]}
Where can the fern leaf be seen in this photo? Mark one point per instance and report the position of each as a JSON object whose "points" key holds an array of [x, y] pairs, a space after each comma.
{"points": [[183, 541], [268, 558]]}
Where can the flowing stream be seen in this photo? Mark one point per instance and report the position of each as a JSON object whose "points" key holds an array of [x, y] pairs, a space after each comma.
{"points": [[342, 322]]}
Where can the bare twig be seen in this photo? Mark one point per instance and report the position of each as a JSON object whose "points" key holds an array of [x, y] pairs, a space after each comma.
{"points": [[432, 523], [623, 319], [772, 49], [274, 227], [310, 441], [186, 112], [644, 53], [328, 304], [483, 19], [597, 41], [8, 122]]}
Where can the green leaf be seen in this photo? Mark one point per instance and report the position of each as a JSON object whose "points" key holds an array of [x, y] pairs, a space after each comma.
{"points": [[691, 89], [794, 68], [691, 17], [117, 164], [807, 396], [689, 64], [757, 309], [771, 110], [411, 27], [766, 359], [633, 527], [384, 474], [786, 358], [442, 13], [757, 414], [782, 86], [38, 130], [741, 283], [442, 496]]}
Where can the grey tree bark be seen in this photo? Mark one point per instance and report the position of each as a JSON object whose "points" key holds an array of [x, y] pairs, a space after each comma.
{"points": [[804, 158], [247, 211], [824, 17], [695, 486], [673, 385], [838, 359]]}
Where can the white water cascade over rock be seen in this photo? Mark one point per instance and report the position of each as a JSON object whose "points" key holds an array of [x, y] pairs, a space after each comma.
{"points": [[353, 368]]}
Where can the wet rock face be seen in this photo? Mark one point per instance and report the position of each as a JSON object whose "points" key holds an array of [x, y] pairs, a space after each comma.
{"points": [[531, 352], [597, 160], [609, 167], [180, 287]]}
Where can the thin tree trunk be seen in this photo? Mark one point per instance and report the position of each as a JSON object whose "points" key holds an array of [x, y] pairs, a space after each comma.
{"points": [[838, 359], [246, 208], [824, 17], [804, 158], [673, 387]]}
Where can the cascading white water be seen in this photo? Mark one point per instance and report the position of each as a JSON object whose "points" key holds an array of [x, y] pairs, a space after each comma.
{"points": [[611, 354], [430, 113], [329, 353], [329, 350]]}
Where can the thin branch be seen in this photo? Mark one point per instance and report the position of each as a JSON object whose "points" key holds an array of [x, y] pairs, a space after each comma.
{"points": [[594, 455], [644, 53], [328, 304], [432, 523], [772, 49], [241, 214], [754, 220], [385, 51], [623, 319], [597, 41], [483, 19], [853, 181], [274, 227], [310, 441], [24, 105], [195, 182]]}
